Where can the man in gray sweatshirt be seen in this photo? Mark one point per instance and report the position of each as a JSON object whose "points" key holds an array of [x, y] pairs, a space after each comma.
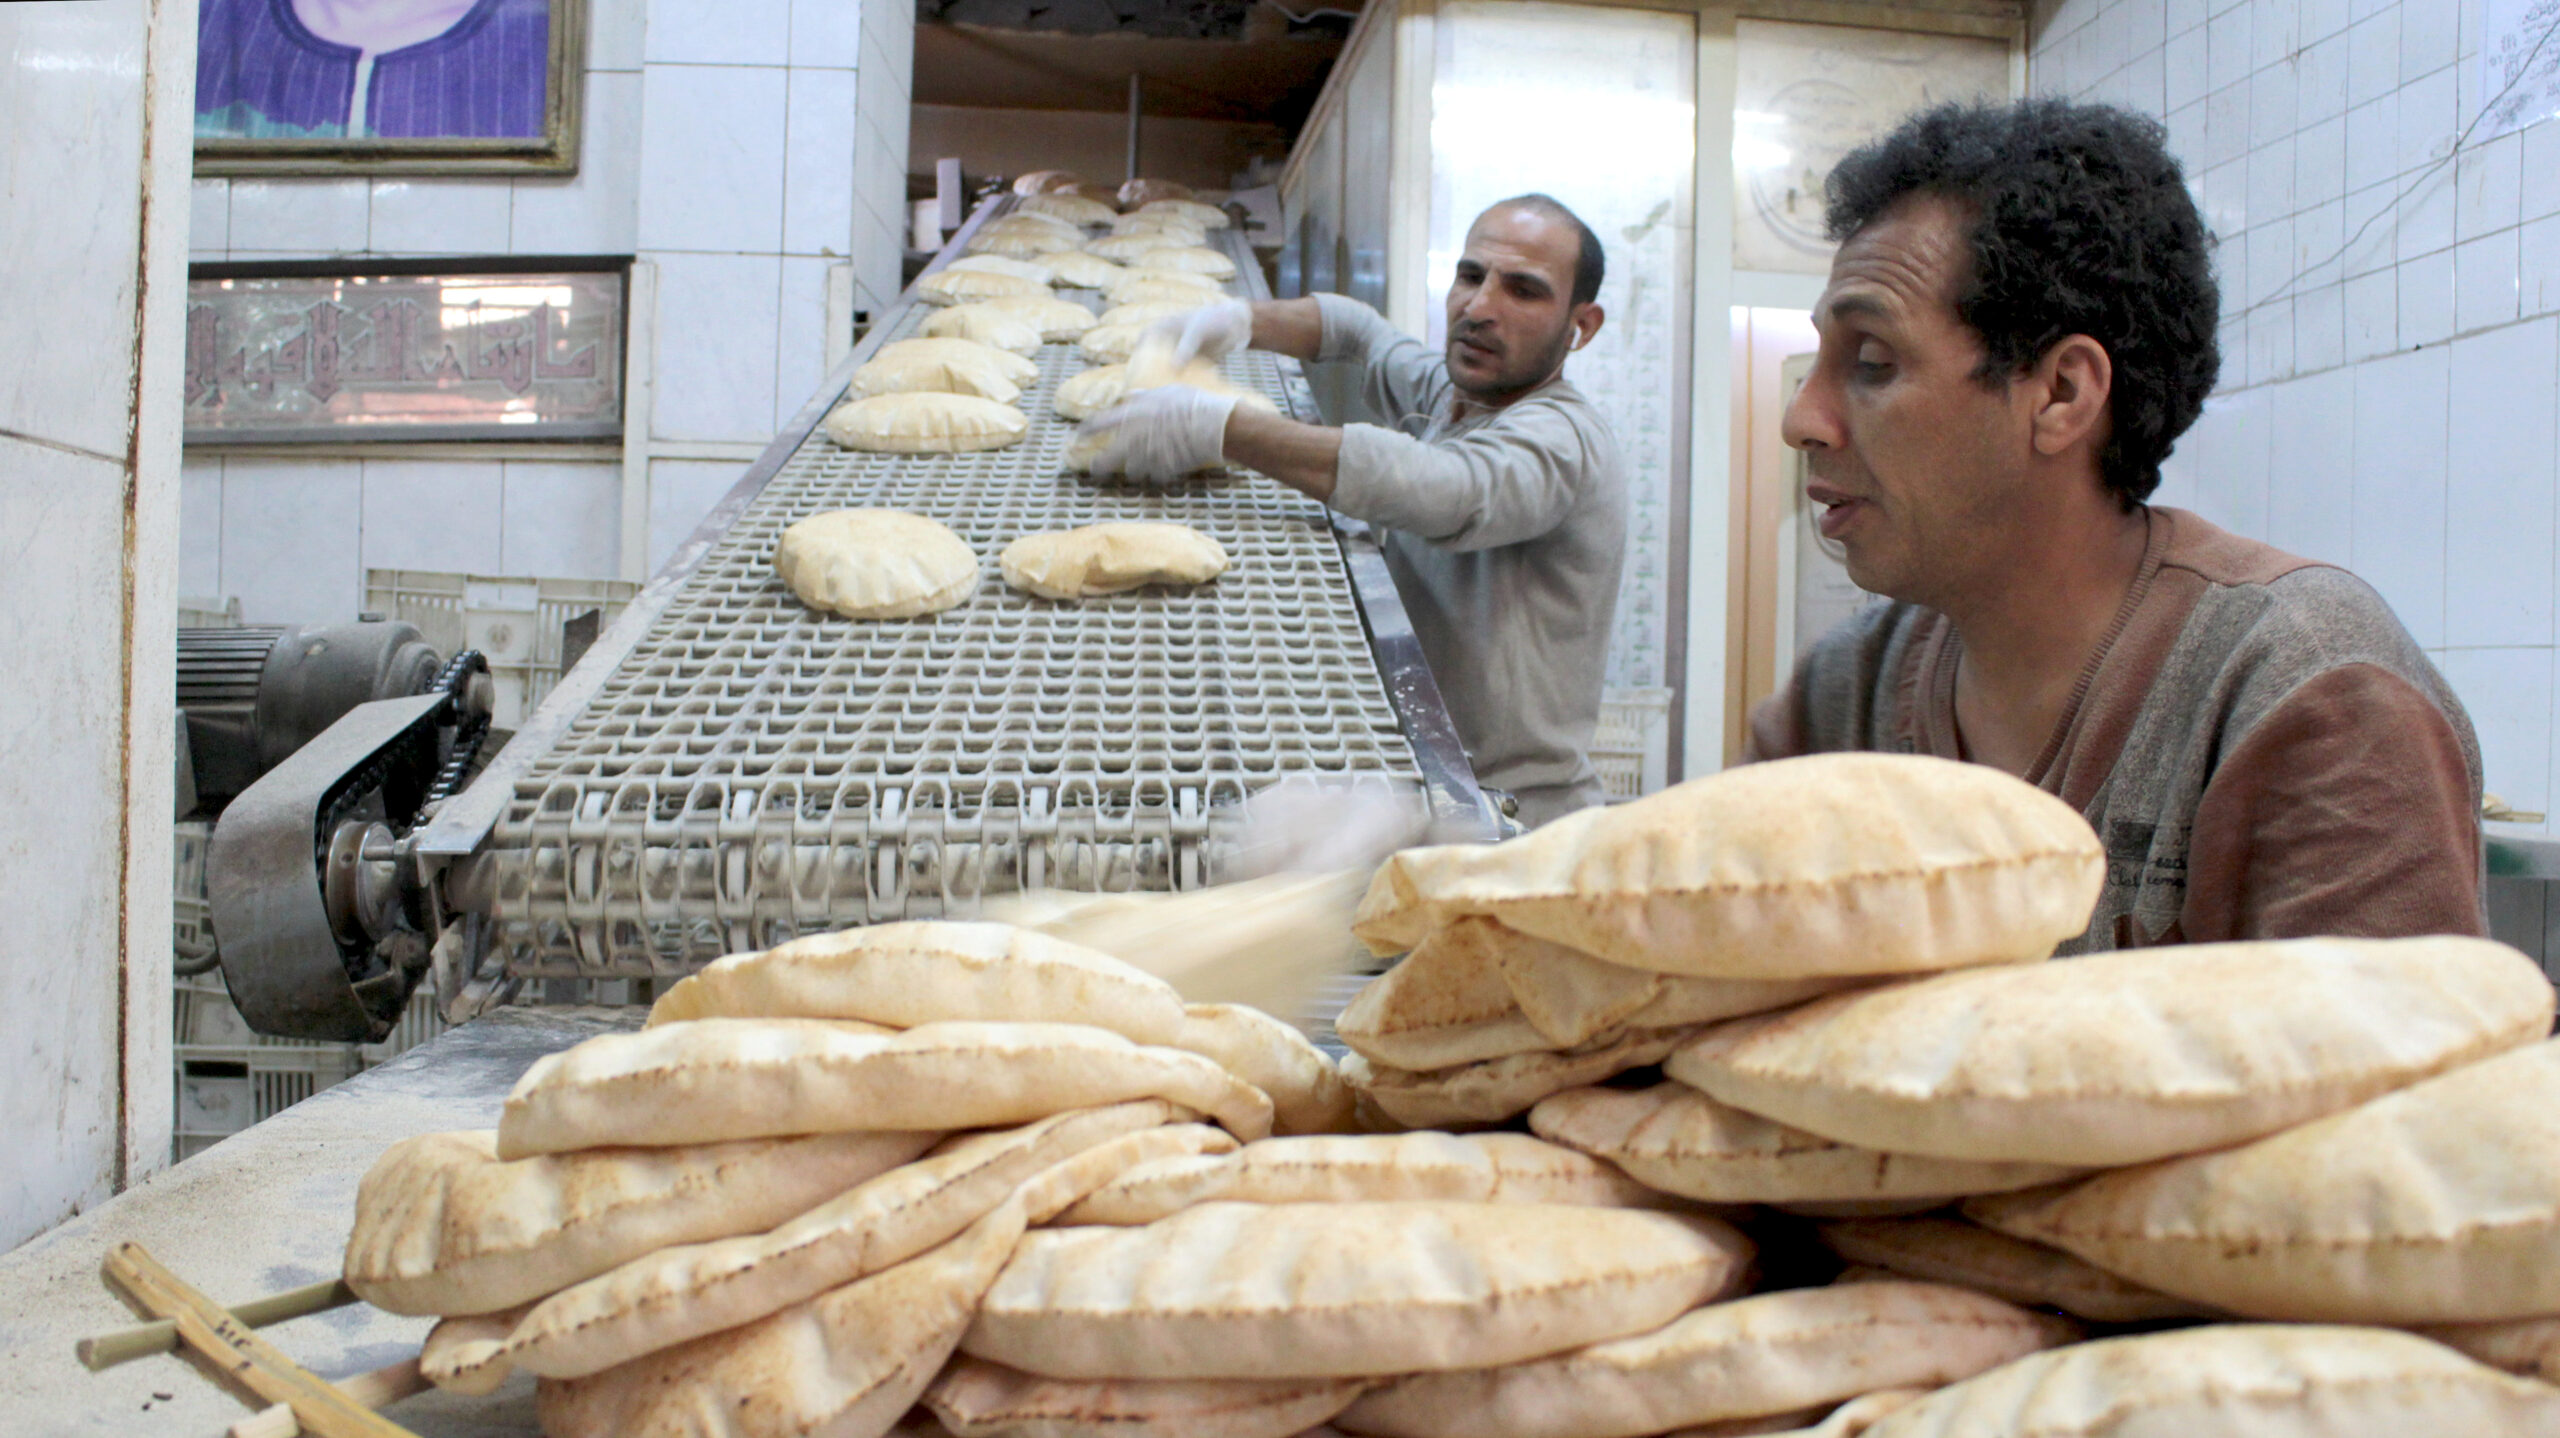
{"points": [[1497, 485]]}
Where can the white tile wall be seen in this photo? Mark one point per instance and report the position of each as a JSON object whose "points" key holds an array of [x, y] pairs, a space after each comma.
{"points": [[681, 492], [2391, 368], [744, 147]]}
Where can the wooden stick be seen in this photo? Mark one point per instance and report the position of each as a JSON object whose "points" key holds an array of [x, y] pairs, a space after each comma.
{"points": [[379, 1389], [105, 1350], [241, 1355]]}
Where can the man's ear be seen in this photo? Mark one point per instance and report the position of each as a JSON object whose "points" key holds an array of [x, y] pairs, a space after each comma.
{"points": [[1586, 323], [2075, 377]]}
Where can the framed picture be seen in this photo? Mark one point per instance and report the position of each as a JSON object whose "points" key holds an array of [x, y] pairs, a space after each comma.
{"points": [[417, 351], [388, 87]]}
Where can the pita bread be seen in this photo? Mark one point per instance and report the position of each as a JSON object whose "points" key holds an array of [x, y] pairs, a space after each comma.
{"points": [[744, 1078], [1145, 223], [443, 1227], [1752, 1357], [923, 971], [465, 1354], [1846, 1421], [986, 324], [1139, 316], [2527, 1346], [1828, 864], [1271, 943], [977, 1399], [1498, 1089], [1004, 362], [924, 422], [875, 563], [999, 265], [1206, 217], [2236, 1381], [682, 1293], [2123, 1057], [1074, 209], [848, 1362], [2436, 1204], [1056, 319], [1087, 393], [1307, 1093], [1142, 191], [1942, 1249], [1126, 249], [1043, 182], [1031, 222], [955, 286], [1024, 244], [1676, 1139], [1166, 287], [1249, 1290], [1111, 558], [1476, 990], [1110, 344], [1190, 259], [1076, 269], [907, 374], [1443, 1006], [1366, 1168]]}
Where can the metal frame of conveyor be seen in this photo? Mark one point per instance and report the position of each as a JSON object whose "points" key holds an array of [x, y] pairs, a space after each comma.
{"points": [[726, 769]]}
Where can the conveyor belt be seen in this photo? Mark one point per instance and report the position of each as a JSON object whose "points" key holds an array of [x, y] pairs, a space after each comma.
{"points": [[738, 769]]}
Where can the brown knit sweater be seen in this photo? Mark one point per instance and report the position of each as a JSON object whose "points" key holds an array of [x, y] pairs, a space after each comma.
{"points": [[2258, 743]]}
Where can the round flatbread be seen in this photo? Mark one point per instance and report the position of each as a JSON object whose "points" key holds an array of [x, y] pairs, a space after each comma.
{"points": [[1005, 362], [1206, 217], [1831, 864], [957, 286], [1111, 558], [978, 1399], [2125, 1057], [911, 373], [1776, 1353], [924, 422], [1143, 191], [986, 324], [1367, 1168], [1189, 259], [2236, 1381], [1249, 1290], [1165, 287], [999, 265], [1473, 1095], [1676, 1139], [444, 1227], [875, 563], [1943, 1249], [1074, 209], [1057, 320], [1128, 249], [2436, 1204], [1076, 269]]}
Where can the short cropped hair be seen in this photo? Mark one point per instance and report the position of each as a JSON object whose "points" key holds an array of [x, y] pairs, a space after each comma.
{"points": [[1590, 266], [2081, 224]]}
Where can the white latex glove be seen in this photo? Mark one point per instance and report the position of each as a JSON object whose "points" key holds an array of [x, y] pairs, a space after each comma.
{"points": [[1211, 332], [1157, 436]]}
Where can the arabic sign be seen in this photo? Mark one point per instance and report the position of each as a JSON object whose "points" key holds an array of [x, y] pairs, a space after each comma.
{"points": [[404, 357]]}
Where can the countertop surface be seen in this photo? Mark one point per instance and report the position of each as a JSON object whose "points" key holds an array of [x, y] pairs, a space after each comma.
{"points": [[266, 1209]]}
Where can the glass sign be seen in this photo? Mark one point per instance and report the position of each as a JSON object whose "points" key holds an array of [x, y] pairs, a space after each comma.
{"points": [[425, 357]]}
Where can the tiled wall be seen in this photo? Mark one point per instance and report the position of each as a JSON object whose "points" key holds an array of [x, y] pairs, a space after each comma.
{"points": [[2391, 316], [744, 148]]}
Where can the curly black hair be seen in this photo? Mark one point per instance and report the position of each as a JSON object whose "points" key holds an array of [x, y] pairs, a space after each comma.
{"points": [[2082, 224]]}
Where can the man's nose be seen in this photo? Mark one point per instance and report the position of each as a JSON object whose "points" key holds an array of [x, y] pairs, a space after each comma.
{"points": [[1812, 418]]}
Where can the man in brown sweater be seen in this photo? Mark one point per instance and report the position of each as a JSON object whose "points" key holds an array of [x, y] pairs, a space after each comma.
{"points": [[2019, 323]]}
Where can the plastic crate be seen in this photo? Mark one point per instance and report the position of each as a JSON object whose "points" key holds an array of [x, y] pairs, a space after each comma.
{"points": [[206, 1016], [1630, 747], [516, 621], [197, 611], [223, 1089]]}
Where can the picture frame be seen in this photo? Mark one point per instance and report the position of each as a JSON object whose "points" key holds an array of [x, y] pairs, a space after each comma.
{"points": [[517, 349], [270, 87]]}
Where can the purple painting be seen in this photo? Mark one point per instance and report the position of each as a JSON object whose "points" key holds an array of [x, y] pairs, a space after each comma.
{"points": [[372, 69]]}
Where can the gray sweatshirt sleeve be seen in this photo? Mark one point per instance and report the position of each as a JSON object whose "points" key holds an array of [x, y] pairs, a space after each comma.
{"points": [[1398, 376]]}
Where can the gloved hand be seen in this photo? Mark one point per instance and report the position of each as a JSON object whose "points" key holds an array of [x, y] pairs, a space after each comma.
{"points": [[1156, 436], [1316, 823], [1211, 332]]}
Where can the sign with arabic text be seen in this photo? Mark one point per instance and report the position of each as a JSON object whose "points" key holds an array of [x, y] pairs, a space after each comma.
{"points": [[404, 357]]}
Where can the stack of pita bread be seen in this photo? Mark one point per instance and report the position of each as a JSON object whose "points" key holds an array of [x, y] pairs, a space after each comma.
{"points": [[2317, 1133]]}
